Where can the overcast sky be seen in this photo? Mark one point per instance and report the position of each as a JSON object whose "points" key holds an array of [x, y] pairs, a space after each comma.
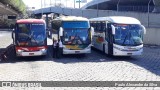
{"points": [[37, 3]]}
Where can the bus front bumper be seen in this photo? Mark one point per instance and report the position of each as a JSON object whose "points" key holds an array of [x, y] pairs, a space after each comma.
{"points": [[34, 53], [65, 51], [117, 52]]}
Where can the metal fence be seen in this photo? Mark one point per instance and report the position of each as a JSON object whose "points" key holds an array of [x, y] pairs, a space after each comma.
{"points": [[149, 19], [148, 15], [136, 8]]}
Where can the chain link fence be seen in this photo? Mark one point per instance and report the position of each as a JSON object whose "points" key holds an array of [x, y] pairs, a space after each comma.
{"points": [[149, 15], [136, 8], [148, 19]]}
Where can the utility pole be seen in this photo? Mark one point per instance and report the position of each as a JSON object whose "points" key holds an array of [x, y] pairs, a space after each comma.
{"points": [[50, 3], [79, 4], [118, 5], [54, 2], [61, 2], [66, 3], [42, 8], [74, 3], [44, 3], [97, 9], [148, 11]]}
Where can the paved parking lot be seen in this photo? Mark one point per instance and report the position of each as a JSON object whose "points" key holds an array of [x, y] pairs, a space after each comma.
{"points": [[5, 38], [90, 67]]}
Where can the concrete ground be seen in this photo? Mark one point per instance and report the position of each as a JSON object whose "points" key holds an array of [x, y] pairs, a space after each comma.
{"points": [[90, 67]]}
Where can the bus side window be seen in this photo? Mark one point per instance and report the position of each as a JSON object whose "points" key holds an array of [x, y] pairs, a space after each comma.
{"points": [[103, 26], [91, 24], [98, 26], [94, 26]]}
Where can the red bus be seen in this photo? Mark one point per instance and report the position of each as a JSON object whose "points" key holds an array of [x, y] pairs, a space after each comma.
{"points": [[29, 37]]}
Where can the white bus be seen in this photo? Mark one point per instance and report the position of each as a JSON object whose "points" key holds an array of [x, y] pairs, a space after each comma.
{"points": [[74, 33], [118, 35]]}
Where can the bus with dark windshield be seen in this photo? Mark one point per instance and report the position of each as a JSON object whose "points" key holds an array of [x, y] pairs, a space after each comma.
{"points": [[74, 33], [118, 35], [29, 37]]}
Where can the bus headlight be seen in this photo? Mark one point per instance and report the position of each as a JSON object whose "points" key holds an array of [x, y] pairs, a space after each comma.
{"points": [[19, 50], [43, 50], [88, 47], [118, 48]]}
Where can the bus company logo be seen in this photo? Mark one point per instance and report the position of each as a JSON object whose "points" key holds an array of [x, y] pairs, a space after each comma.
{"points": [[6, 84], [21, 84], [99, 40], [131, 48]]}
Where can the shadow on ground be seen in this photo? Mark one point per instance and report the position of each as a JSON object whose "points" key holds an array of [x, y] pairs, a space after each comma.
{"points": [[150, 60]]}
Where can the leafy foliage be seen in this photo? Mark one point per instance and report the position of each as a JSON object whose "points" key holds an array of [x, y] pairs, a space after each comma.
{"points": [[17, 5]]}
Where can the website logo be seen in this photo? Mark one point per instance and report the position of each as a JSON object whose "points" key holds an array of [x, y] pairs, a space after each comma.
{"points": [[6, 84]]}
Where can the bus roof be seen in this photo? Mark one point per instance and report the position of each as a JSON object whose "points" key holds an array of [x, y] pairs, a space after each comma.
{"points": [[30, 21], [71, 18], [117, 19]]}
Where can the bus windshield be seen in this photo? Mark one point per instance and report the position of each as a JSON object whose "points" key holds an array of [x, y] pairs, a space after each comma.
{"points": [[75, 24], [76, 36], [31, 34], [128, 34]]}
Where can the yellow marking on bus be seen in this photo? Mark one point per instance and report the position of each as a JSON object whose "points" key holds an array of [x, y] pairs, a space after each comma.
{"points": [[74, 47]]}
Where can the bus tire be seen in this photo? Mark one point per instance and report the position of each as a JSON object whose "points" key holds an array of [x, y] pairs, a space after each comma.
{"points": [[104, 48], [60, 53], [14, 50], [18, 57]]}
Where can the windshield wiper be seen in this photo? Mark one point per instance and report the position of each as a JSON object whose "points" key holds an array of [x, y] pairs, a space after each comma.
{"points": [[31, 37], [125, 39]]}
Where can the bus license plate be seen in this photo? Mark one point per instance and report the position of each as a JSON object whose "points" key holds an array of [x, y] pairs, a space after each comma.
{"points": [[129, 53], [77, 51], [31, 53]]}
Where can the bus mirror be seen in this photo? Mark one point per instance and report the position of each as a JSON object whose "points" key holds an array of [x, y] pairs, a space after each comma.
{"points": [[60, 31], [113, 30], [92, 31], [144, 29]]}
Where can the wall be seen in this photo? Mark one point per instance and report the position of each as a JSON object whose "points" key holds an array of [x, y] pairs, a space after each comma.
{"points": [[151, 20], [148, 20], [152, 36]]}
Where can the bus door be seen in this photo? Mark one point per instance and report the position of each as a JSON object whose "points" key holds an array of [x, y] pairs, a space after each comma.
{"points": [[13, 34], [93, 24], [110, 39], [105, 31], [99, 37]]}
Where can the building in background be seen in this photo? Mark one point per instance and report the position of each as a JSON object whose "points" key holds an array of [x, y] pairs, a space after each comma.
{"points": [[125, 5]]}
